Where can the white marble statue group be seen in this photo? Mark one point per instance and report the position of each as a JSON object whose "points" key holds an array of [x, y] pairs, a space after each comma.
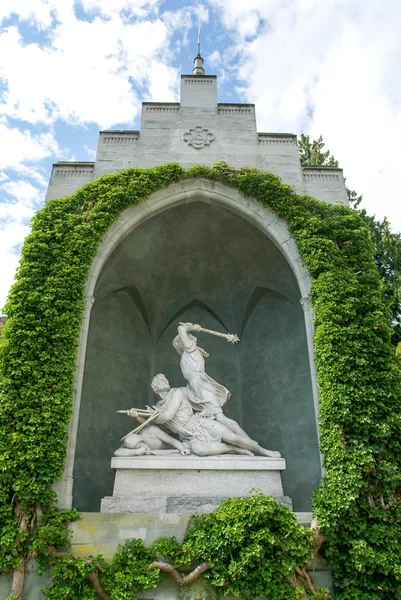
{"points": [[193, 415]]}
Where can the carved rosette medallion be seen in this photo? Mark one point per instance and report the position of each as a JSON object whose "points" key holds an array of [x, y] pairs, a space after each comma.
{"points": [[198, 137]]}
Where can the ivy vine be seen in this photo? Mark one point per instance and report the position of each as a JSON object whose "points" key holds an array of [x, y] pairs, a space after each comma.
{"points": [[246, 547], [357, 504]]}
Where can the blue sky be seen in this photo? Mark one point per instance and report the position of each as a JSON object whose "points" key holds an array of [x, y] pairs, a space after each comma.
{"points": [[70, 68]]}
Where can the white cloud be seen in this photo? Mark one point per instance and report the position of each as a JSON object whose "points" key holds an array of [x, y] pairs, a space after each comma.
{"points": [[16, 211], [107, 7], [20, 151], [37, 12], [201, 13], [320, 67], [77, 80], [21, 190], [147, 67], [34, 172], [328, 68], [162, 83], [83, 76], [214, 59], [81, 72], [90, 152], [18, 147], [19, 201], [11, 237], [360, 123], [84, 71]]}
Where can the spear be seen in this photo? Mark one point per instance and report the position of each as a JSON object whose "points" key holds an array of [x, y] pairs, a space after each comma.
{"points": [[152, 414], [140, 411]]}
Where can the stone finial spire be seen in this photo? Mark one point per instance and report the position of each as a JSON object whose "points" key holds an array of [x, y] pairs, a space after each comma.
{"points": [[198, 60]]}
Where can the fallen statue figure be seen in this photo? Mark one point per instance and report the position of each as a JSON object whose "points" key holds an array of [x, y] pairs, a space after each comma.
{"points": [[197, 434]]}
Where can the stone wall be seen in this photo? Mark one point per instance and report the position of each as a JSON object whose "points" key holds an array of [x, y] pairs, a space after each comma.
{"points": [[198, 263], [199, 130], [102, 533]]}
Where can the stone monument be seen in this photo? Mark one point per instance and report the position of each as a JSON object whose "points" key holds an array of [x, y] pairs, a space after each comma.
{"points": [[232, 264], [197, 251], [184, 470]]}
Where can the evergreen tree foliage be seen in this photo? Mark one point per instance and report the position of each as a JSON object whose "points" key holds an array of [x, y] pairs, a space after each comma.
{"points": [[388, 261], [312, 155]]}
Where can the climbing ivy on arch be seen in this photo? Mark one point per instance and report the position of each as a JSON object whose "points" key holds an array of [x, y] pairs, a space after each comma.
{"points": [[357, 503]]}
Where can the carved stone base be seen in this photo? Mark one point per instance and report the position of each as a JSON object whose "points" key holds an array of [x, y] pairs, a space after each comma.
{"points": [[183, 505], [188, 484]]}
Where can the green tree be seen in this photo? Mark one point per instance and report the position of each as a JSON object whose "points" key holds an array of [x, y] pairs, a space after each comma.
{"points": [[388, 261], [387, 243], [312, 155]]}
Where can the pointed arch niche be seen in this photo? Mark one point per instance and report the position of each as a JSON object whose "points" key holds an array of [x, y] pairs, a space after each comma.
{"points": [[196, 251]]}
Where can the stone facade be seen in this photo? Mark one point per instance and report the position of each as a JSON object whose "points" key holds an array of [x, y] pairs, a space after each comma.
{"points": [[190, 484], [199, 130], [298, 395]]}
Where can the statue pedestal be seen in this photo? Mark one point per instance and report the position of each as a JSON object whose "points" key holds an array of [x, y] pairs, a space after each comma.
{"points": [[190, 484]]}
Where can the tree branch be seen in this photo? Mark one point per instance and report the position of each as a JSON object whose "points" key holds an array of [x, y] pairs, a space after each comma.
{"points": [[38, 512], [53, 552], [383, 505], [176, 575], [318, 537], [18, 579], [195, 573], [303, 575], [166, 568], [93, 578], [295, 583], [99, 589]]}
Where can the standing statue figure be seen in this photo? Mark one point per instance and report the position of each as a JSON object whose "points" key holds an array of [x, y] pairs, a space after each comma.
{"points": [[203, 392], [205, 437]]}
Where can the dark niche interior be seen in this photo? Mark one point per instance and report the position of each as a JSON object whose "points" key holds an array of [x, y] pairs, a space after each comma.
{"points": [[198, 263]]}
